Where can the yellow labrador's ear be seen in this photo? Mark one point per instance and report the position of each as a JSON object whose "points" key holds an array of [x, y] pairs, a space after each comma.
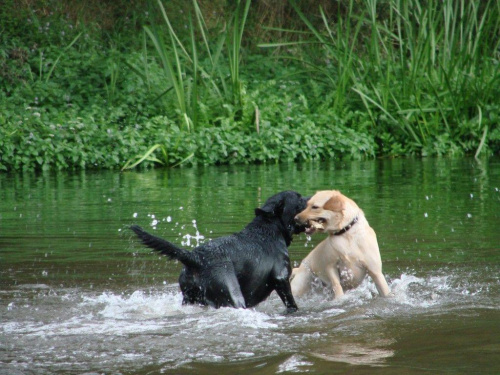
{"points": [[350, 211], [335, 203]]}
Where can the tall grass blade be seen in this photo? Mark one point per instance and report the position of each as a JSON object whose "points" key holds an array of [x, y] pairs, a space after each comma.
{"points": [[485, 133], [183, 160], [61, 55], [194, 95], [139, 159], [202, 26], [406, 128], [173, 73], [234, 46]]}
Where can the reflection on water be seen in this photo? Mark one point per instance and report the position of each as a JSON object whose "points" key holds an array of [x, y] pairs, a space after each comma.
{"points": [[79, 294], [356, 354]]}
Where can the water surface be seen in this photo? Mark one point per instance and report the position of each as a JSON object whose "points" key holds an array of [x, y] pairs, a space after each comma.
{"points": [[78, 294]]}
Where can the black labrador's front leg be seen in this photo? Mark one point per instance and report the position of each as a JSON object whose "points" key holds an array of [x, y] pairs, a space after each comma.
{"points": [[284, 290]]}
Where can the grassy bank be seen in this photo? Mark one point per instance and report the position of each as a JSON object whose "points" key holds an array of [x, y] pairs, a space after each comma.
{"points": [[156, 83]]}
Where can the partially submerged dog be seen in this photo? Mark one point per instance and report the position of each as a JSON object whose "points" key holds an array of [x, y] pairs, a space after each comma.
{"points": [[240, 270], [349, 252]]}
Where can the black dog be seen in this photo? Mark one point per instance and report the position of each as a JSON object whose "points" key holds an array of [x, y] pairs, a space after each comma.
{"points": [[240, 270]]}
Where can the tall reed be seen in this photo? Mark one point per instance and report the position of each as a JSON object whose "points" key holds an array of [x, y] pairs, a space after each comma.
{"points": [[186, 75], [423, 69], [234, 46], [169, 51], [195, 71]]}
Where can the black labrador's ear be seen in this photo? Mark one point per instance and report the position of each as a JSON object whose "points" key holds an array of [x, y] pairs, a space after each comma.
{"points": [[272, 207], [261, 212]]}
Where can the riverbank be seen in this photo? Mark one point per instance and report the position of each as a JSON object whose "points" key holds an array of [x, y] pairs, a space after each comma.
{"points": [[152, 84]]}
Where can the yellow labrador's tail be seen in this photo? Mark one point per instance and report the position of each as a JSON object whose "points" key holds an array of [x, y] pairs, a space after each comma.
{"points": [[166, 248]]}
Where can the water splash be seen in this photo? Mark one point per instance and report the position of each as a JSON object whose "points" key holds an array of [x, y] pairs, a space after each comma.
{"points": [[198, 238], [139, 327], [138, 305], [189, 240], [295, 363]]}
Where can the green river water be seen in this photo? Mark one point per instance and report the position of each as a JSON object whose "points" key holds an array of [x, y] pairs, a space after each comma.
{"points": [[79, 295]]}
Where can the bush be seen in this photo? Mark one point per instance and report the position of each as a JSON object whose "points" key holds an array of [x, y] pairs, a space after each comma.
{"points": [[77, 93]]}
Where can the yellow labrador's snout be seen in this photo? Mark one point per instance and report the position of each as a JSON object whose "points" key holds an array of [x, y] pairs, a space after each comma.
{"points": [[301, 220], [310, 224]]}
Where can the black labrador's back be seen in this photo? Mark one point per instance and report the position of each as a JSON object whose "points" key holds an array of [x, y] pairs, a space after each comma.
{"points": [[243, 269]]}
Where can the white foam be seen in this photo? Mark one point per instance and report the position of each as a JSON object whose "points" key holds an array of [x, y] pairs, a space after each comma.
{"points": [[138, 304], [293, 364], [248, 318], [410, 294], [83, 324]]}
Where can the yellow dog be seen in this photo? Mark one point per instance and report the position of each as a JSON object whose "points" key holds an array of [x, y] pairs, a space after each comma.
{"points": [[349, 252]]}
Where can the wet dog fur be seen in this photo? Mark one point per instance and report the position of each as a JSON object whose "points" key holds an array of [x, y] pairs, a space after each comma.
{"points": [[243, 269]]}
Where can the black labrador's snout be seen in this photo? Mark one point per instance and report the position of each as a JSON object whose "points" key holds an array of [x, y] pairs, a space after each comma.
{"points": [[298, 220], [300, 225]]}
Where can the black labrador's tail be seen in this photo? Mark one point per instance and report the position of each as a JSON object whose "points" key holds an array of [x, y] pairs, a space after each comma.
{"points": [[166, 248]]}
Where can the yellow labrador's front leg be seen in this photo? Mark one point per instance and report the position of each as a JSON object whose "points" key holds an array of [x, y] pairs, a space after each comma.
{"points": [[300, 281], [380, 283]]}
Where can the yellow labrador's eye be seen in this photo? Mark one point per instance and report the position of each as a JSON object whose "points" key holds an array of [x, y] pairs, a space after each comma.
{"points": [[314, 207]]}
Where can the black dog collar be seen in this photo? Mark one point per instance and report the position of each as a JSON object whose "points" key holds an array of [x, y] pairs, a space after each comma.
{"points": [[347, 227]]}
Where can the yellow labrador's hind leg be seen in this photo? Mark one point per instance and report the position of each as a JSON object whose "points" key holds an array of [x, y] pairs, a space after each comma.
{"points": [[301, 281], [334, 278]]}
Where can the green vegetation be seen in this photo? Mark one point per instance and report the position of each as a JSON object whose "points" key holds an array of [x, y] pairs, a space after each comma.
{"points": [[170, 83]]}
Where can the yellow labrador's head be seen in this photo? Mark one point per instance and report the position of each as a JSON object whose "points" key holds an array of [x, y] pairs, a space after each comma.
{"points": [[327, 211]]}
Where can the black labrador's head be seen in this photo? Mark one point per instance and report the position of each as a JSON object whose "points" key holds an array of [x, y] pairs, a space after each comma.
{"points": [[284, 207]]}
